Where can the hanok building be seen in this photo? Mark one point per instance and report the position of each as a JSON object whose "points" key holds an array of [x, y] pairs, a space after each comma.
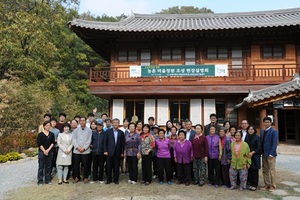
{"points": [[187, 66]]}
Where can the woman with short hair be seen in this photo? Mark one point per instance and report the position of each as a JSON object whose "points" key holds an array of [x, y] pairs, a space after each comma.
{"points": [[64, 155]]}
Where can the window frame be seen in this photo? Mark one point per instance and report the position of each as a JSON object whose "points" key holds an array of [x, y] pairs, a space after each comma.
{"points": [[272, 51]]}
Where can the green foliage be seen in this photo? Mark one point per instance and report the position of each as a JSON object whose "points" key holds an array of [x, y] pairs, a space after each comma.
{"points": [[185, 10], [3, 159], [13, 156], [31, 153]]}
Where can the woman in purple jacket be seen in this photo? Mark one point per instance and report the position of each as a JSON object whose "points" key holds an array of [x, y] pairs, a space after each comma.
{"points": [[213, 157], [162, 146], [183, 155]]}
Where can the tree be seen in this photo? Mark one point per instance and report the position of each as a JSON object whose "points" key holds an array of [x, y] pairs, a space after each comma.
{"points": [[185, 10]]}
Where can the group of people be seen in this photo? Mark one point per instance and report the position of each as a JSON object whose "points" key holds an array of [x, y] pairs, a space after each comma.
{"points": [[182, 151]]}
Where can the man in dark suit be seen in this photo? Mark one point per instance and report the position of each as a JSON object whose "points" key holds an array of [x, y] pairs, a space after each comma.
{"points": [[114, 141], [213, 121], [269, 142]]}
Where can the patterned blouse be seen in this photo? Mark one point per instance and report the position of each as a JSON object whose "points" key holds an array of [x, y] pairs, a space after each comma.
{"points": [[147, 142]]}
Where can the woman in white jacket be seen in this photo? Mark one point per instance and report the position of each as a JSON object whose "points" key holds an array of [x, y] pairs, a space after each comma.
{"points": [[64, 156]]}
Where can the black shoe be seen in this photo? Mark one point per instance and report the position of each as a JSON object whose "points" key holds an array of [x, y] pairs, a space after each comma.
{"points": [[201, 184], [196, 183], [108, 182], [116, 182]]}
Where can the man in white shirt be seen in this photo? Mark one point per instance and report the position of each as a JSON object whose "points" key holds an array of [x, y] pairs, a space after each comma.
{"points": [[245, 125]]}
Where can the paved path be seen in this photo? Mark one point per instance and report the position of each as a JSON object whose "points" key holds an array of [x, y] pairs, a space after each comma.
{"points": [[23, 173]]}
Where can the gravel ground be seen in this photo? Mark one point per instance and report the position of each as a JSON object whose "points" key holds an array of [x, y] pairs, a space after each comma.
{"points": [[16, 175], [23, 173]]}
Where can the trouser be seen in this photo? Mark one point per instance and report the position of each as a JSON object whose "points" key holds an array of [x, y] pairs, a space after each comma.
{"points": [[45, 164], [98, 167], [225, 175], [154, 163], [164, 164], [199, 169], [243, 174], [253, 177], [62, 172], [146, 167], [269, 171], [86, 162], [71, 166], [184, 172], [113, 164], [174, 164], [55, 151], [214, 171], [132, 162]]}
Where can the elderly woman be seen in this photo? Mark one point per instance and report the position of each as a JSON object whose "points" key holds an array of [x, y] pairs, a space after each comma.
{"points": [[200, 148], [64, 156], [224, 157], [213, 157], [183, 155], [147, 144], [240, 162], [173, 138], [162, 146], [45, 141], [132, 152], [253, 141]]}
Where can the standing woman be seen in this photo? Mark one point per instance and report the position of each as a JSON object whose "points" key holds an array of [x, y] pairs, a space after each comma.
{"points": [[139, 127], [45, 141], [124, 128], [183, 155], [147, 144], [64, 155], [232, 131], [224, 157], [240, 162], [155, 129], [227, 126], [132, 152], [200, 148], [162, 146], [173, 138], [213, 157], [253, 141], [169, 125]]}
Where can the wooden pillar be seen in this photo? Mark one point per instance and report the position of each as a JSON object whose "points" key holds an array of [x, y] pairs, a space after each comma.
{"points": [[275, 118], [263, 114]]}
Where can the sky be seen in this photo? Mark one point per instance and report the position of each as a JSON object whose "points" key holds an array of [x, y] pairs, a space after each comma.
{"points": [[118, 7]]}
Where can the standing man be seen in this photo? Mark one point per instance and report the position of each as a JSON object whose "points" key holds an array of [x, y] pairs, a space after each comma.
{"points": [[46, 118], [114, 141], [82, 138], [103, 117], [151, 124], [269, 142], [91, 118], [213, 122], [62, 121], [245, 125], [190, 133]]}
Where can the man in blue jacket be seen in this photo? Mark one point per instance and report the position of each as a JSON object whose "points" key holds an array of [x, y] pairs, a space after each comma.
{"points": [[114, 141], [269, 141]]}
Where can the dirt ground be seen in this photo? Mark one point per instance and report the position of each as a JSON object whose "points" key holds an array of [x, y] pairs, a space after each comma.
{"points": [[154, 191]]}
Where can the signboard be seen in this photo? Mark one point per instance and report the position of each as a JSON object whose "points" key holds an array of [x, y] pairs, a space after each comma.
{"points": [[178, 70]]}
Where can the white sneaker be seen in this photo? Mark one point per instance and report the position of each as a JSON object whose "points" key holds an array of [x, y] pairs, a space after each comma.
{"points": [[133, 182], [129, 181], [154, 177], [92, 182], [101, 182]]}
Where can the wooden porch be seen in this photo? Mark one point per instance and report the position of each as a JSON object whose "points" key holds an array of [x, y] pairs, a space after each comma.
{"points": [[257, 74]]}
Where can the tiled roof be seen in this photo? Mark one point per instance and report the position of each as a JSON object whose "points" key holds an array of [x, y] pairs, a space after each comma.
{"points": [[185, 22], [273, 91]]}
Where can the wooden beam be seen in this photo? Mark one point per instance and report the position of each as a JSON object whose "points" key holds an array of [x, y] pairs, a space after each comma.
{"points": [[286, 96]]}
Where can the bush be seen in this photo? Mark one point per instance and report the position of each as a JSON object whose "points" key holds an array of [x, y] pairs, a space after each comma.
{"points": [[3, 158], [13, 156], [31, 153]]}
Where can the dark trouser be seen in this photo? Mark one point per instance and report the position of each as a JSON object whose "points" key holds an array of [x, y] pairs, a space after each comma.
{"points": [[164, 164], [225, 175], [98, 166], [113, 164], [154, 159], [214, 171], [147, 167], [253, 177], [86, 162], [45, 164], [174, 164], [55, 151], [132, 162], [184, 172], [199, 169]]}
